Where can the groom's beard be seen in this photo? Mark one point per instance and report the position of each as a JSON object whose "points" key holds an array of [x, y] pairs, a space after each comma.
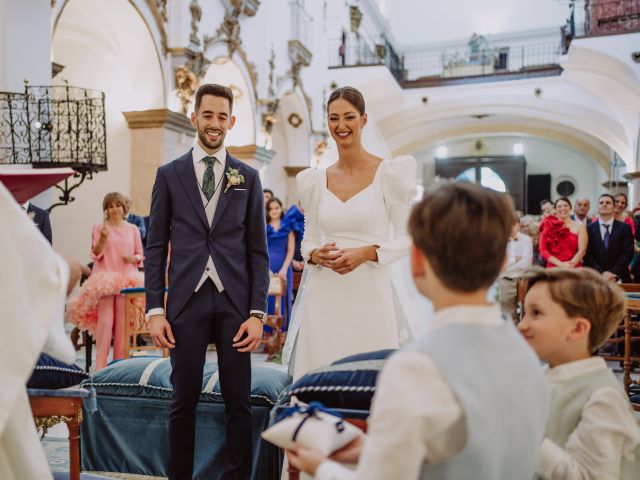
{"points": [[202, 136]]}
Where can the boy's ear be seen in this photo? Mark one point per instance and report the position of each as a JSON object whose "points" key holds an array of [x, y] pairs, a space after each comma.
{"points": [[417, 262], [581, 329]]}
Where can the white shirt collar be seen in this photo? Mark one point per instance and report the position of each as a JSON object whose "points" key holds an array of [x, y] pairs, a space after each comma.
{"points": [[608, 222], [573, 369], [198, 154], [486, 316], [25, 205]]}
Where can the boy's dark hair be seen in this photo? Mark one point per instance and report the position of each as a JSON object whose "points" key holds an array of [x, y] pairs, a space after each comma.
{"points": [[583, 292], [463, 230], [607, 195], [215, 90]]}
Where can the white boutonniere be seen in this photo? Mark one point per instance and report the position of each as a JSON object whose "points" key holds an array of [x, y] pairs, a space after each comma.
{"points": [[233, 178], [32, 216]]}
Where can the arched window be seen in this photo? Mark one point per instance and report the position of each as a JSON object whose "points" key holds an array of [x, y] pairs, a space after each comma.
{"points": [[485, 176]]}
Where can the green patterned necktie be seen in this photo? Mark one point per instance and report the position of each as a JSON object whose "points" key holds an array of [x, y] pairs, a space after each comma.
{"points": [[209, 179]]}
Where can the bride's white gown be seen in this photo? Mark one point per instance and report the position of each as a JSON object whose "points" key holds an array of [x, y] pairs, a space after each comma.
{"points": [[338, 315]]}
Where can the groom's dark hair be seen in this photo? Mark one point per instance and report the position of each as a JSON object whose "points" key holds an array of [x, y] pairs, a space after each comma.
{"points": [[463, 230], [215, 90]]}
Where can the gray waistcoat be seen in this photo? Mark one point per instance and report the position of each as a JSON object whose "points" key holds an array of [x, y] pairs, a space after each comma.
{"points": [[504, 396], [568, 398]]}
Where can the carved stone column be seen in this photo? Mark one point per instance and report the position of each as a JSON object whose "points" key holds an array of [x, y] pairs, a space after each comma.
{"points": [[157, 137]]}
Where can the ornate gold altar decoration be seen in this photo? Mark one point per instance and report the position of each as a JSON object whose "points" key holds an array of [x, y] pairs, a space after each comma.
{"points": [[269, 105], [355, 16], [186, 84], [159, 10], [237, 92], [45, 423], [196, 16]]}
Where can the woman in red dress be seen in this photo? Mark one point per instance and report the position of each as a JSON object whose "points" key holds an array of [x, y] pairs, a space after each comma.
{"points": [[563, 242], [620, 211]]}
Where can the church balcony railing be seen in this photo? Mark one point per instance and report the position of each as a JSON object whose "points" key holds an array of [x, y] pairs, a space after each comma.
{"points": [[55, 126], [360, 51], [451, 66]]}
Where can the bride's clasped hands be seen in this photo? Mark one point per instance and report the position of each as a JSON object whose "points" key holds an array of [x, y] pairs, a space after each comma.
{"points": [[343, 260]]}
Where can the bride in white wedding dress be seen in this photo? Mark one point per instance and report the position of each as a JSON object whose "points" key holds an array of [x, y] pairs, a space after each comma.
{"points": [[356, 212]]}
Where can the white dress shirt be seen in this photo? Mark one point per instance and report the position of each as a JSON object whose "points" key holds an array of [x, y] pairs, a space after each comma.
{"points": [[606, 433], [415, 416], [519, 255]]}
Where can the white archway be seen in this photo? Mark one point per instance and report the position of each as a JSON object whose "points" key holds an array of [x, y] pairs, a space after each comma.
{"points": [[105, 46]]}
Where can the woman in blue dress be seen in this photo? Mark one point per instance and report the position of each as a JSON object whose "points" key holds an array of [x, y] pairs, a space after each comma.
{"points": [[281, 243]]}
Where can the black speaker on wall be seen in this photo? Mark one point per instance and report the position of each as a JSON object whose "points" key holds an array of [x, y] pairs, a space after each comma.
{"points": [[538, 189]]}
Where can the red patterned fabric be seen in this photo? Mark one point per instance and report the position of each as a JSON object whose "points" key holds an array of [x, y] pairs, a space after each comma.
{"points": [[557, 240]]}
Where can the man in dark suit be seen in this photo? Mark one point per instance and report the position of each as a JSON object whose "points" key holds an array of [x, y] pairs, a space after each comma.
{"points": [[41, 218], [610, 246], [209, 206]]}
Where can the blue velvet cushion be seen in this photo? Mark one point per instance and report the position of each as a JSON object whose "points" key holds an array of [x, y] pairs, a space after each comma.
{"points": [[52, 374], [348, 383], [148, 377]]}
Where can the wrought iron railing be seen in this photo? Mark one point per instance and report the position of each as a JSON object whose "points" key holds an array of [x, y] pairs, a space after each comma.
{"points": [[55, 126], [466, 62], [360, 51], [446, 63], [300, 23]]}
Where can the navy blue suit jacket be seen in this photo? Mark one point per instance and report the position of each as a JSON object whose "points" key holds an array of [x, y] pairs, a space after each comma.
{"points": [[236, 239], [42, 220], [617, 257]]}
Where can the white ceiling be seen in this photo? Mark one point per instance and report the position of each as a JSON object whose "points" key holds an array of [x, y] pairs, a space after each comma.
{"points": [[426, 21]]}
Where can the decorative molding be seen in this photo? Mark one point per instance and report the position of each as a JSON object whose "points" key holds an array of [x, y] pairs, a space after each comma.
{"points": [[616, 183], [56, 68], [159, 10], [229, 32], [196, 16], [186, 86], [159, 118], [632, 175], [294, 120], [293, 171], [252, 152]]}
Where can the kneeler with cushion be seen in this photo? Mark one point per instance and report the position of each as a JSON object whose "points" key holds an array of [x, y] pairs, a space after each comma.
{"points": [[129, 431], [346, 386]]}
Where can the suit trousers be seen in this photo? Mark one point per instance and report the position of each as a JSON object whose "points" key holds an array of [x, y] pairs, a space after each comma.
{"points": [[209, 314]]}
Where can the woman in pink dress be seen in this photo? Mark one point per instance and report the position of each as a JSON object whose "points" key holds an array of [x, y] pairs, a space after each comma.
{"points": [[563, 242], [116, 250]]}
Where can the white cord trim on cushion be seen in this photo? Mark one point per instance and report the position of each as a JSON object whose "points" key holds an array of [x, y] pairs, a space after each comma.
{"points": [[208, 388], [166, 389], [146, 374], [61, 369], [333, 388]]}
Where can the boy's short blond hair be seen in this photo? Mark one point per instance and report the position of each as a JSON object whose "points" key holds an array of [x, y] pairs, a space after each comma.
{"points": [[583, 292]]}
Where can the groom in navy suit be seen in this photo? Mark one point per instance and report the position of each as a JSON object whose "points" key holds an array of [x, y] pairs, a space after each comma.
{"points": [[209, 207]]}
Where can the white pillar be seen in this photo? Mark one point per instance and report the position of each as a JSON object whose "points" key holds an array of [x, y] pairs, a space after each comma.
{"points": [[25, 43]]}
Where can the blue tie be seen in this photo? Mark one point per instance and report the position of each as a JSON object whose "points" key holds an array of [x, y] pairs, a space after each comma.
{"points": [[606, 237]]}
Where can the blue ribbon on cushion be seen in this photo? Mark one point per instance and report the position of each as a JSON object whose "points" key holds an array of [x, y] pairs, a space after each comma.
{"points": [[308, 411]]}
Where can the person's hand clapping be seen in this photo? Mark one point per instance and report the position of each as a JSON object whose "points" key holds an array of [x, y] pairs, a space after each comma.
{"points": [[104, 232]]}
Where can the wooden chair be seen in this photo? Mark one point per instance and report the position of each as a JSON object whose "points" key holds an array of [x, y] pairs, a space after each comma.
{"points": [[135, 322], [50, 407], [630, 329], [273, 342]]}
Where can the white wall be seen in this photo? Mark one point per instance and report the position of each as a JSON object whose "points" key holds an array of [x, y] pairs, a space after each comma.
{"points": [[107, 48], [542, 157]]}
